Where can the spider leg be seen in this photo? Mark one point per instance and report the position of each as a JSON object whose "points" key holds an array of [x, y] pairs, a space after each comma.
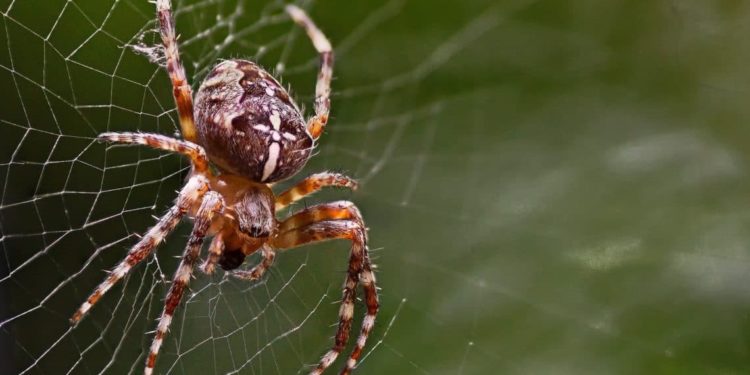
{"points": [[183, 95], [338, 220], [259, 269], [323, 86], [214, 253], [311, 185], [340, 210], [212, 203], [192, 192], [193, 151]]}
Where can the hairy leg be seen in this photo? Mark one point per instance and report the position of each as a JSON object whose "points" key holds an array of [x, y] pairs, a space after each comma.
{"points": [[212, 204], [323, 86], [183, 95], [311, 185], [192, 193], [260, 269], [193, 151], [339, 220], [214, 253], [339, 210]]}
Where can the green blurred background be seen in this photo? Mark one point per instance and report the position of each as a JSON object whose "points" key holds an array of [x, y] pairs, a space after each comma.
{"points": [[551, 187]]}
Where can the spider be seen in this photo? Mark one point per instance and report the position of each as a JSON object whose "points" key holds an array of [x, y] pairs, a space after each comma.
{"points": [[245, 124]]}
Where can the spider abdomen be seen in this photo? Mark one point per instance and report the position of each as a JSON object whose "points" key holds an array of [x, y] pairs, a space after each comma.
{"points": [[249, 125]]}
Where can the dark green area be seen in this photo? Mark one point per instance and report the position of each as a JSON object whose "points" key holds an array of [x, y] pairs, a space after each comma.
{"points": [[551, 187]]}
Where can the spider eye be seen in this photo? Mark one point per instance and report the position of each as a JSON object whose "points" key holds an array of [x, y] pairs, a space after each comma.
{"points": [[257, 226], [257, 231]]}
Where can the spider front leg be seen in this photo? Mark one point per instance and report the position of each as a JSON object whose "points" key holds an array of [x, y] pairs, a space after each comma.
{"points": [[193, 192], [217, 249], [323, 86], [214, 253], [212, 204], [338, 220], [268, 255]]}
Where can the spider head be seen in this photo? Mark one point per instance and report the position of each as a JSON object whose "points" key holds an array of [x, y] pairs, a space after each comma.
{"points": [[249, 125], [255, 211]]}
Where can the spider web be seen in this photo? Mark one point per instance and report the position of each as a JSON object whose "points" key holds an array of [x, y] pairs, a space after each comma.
{"points": [[71, 207], [551, 187]]}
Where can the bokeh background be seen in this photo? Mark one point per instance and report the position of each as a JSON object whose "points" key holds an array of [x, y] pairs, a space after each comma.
{"points": [[551, 187]]}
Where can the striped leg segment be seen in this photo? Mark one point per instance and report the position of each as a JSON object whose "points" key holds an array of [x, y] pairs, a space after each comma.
{"points": [[260, 269], [367, 279], [214, 254], [183, 95], [323, 86], [192, 192], [193, 151], [340, 210], [311, 185], [212, 204], [339, 220]]}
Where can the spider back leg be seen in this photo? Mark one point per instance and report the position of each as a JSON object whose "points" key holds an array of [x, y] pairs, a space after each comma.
{"points": [[323, 86], [212, 203], [183, 95]]}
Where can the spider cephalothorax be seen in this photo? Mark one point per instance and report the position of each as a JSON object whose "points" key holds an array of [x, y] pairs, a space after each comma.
{"points": [[246, 124]]}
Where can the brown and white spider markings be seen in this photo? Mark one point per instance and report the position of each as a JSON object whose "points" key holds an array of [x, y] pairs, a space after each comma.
{"points": [[245, 123]]}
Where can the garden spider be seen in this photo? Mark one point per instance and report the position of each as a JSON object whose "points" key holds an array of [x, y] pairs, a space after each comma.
{"points": [[245, 123]]}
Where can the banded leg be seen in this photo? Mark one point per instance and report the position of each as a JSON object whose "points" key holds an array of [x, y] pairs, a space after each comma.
{"points": [[260, 269], [311, 185], [340, 210], [323, 86], [214, 254], [367, 279], [331, 221], [193, 151], [190, 194], [212, 204], [183, 95]]}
